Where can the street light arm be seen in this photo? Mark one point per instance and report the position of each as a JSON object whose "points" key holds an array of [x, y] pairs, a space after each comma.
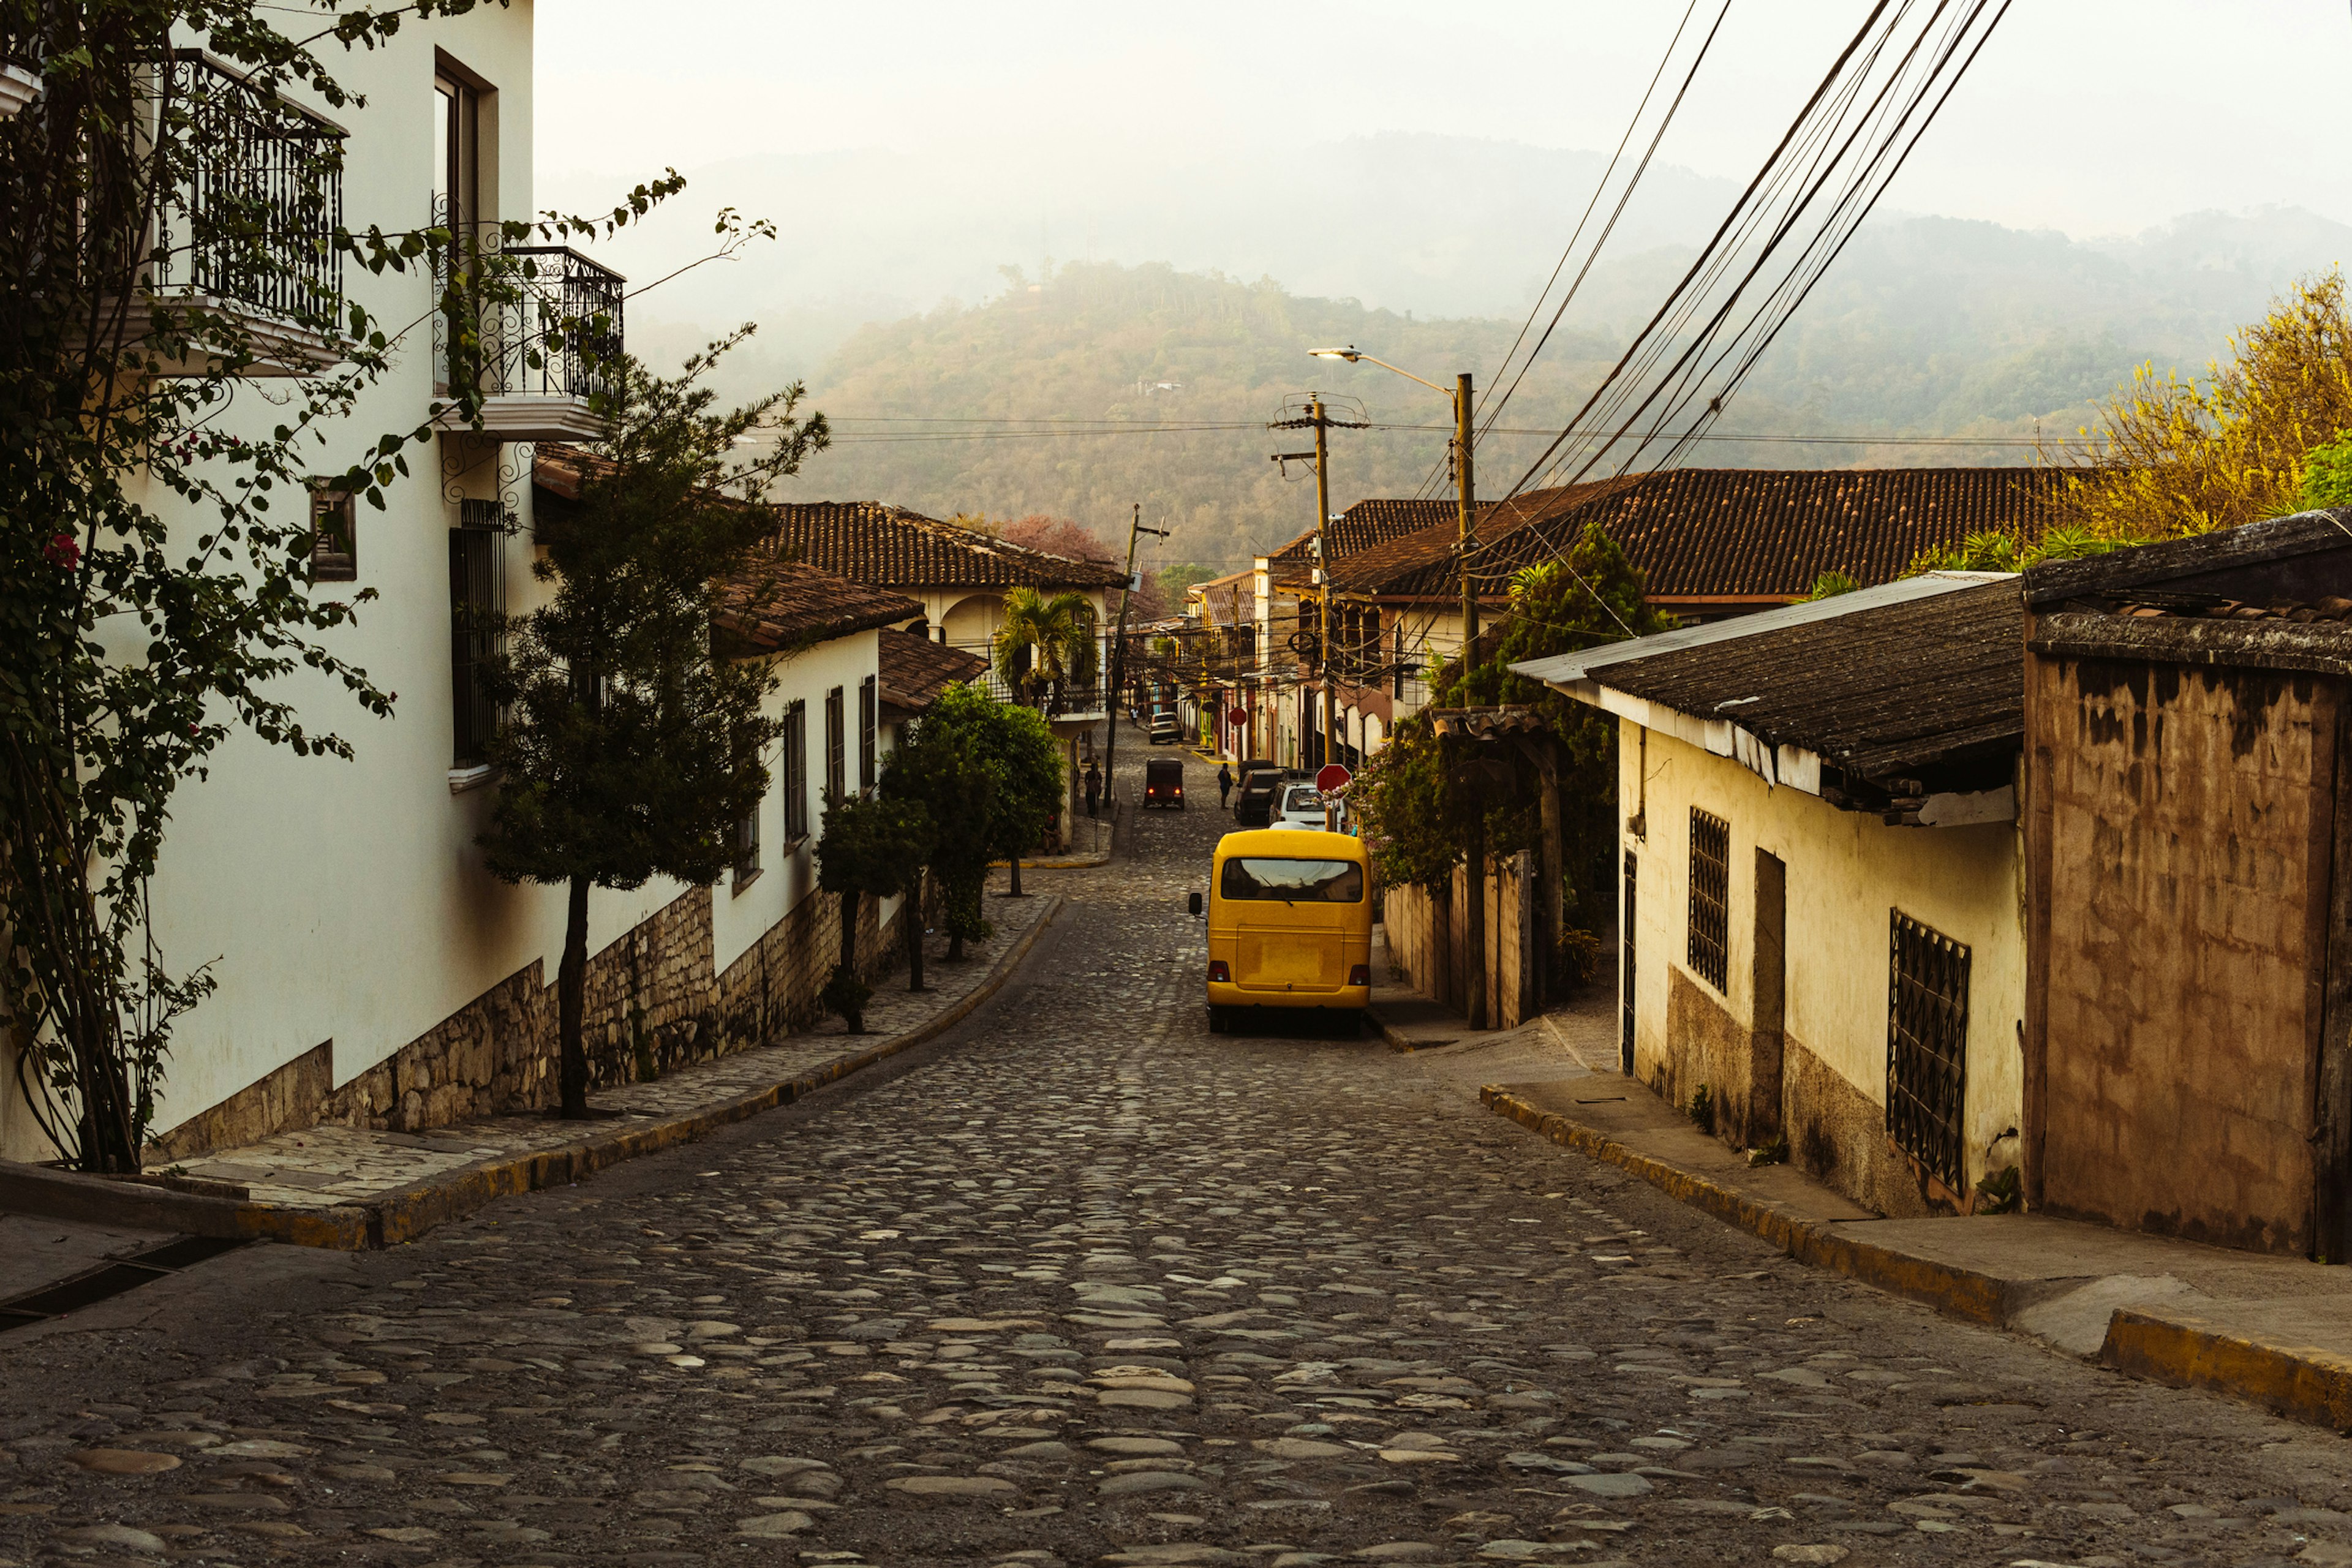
{"points": [[1352, 356]]}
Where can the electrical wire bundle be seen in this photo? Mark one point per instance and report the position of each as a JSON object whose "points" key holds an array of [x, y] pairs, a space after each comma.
{"points": [[1804, 204]]}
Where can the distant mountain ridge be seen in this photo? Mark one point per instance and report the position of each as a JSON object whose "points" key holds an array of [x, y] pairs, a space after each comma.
{"points": [[1927, 327]]}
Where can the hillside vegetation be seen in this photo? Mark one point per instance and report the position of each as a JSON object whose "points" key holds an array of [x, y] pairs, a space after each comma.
{"points": [[1114, 385]]}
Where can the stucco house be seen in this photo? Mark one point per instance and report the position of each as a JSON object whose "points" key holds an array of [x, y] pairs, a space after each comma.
{"points": [[368, 970], [1821, 898]]}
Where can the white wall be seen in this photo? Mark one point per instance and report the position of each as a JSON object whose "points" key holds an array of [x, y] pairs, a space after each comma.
{"points": [[1846, 873], [346, 900], [740, 913]]}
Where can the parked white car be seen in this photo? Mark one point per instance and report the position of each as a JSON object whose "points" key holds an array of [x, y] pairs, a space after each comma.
{"points": [[1302, 807]]}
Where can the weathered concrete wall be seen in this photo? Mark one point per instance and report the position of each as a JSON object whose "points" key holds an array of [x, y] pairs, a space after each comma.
{"points": [[2186, 818], [1841, 875], [1411, 926]]}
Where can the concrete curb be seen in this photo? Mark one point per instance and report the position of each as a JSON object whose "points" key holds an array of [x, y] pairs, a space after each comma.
{"points": [[1397, 1041], [2302, 1382], [406, 1212], [1962, 1293]]}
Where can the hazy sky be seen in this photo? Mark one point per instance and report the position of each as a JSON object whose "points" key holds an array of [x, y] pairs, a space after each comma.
{"points": [[2089, 116]]}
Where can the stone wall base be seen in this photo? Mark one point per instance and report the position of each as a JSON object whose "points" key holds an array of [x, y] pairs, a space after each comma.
{"points": [[656, 1002]]}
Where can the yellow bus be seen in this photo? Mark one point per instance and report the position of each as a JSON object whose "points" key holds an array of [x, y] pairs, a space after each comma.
{"points": [[1290, 924]]}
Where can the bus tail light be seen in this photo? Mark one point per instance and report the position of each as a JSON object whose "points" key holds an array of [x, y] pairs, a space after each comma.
{"points": [[1219, 974], [1361, 975]]}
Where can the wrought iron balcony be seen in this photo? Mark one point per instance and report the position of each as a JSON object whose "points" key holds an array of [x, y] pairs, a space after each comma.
{"points": [[1056, 700], [549, 343], [251, 195]]}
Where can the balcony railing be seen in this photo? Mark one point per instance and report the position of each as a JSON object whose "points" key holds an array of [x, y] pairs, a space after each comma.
{"points": [[547, 339], [560, 337], [1067, 698], [250, 217]]}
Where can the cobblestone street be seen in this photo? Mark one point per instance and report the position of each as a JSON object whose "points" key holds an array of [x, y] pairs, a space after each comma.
{"points": [[1081, 1283]]}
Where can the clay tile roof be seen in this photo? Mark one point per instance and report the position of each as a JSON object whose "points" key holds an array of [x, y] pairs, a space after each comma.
{"points": [[914, 670], [1755, 533], [892, 547], [1366, 524], [774, 606]]}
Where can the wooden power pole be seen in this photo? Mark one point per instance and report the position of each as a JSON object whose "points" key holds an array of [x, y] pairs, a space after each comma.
{"points": [[1119, 647]]}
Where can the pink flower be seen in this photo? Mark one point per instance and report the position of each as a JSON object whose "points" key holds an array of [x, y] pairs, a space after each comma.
{"points": [[63, 551]]}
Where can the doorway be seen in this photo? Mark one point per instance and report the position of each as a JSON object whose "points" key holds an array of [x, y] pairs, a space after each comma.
{"points": [[1770, 990]]}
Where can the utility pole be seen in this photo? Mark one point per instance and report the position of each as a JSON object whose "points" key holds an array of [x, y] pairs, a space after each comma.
{"points": [[1469, 508], [1323, 583], [1319, 422], [1118, 646]]}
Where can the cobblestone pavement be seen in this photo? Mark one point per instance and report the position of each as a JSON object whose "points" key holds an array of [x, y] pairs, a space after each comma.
{"points": [[1087, 1284]]}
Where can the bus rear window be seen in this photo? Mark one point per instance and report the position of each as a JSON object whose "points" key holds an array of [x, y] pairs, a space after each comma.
{"points": [[1293, 881]]}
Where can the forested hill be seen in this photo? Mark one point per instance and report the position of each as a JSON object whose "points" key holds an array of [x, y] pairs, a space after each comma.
{"points": [[1105, 386]]}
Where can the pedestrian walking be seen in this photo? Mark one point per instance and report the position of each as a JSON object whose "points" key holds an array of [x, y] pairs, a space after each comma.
{"points": [[1224, 784], [1094, 787]]}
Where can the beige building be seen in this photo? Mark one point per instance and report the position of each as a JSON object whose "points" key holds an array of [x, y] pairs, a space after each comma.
{"points": [[1822, 916]]}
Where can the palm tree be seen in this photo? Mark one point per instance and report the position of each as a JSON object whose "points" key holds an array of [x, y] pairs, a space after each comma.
{"points": [[1046, 642]]}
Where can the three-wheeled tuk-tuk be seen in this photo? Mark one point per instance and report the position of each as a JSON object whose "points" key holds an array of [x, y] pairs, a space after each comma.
{"points": [[1163, 783]]}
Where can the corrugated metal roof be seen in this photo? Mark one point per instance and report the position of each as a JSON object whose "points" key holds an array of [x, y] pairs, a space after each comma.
{"points": [[1882, 689], [1562, 669]]}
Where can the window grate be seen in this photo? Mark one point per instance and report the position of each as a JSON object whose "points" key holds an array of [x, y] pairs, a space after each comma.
{"points": [[866, 716], [1926, 1047], [836, 749], [334, 549], [1710, 896], [796, 821], [477, 637], [1626, 971]]}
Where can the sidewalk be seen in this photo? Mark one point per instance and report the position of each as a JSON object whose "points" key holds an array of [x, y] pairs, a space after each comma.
{"points": [[355, 1188], [2276, 1331]]}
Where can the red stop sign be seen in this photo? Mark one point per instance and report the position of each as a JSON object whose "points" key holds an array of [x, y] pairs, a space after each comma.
{"points": [[1237, 717], [1332, 778]]}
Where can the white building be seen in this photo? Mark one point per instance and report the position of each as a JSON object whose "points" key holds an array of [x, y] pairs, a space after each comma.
{"points": [[368, 970]]}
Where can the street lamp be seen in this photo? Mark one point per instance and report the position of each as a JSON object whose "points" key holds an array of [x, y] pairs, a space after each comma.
{"points": [[19, 85], [1467, 484]]}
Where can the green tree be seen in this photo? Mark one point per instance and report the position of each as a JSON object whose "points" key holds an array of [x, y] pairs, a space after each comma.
{"points": [[938, 767], [156, 577], [1015, 745], [875, 846], [1428, 801], [1046, 642], [2173, 455], [631, 751]]}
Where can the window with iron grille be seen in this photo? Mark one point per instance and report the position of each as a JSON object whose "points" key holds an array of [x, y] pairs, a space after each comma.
{"points": [[747, 829], [866, 722], [478, 598], [836, 749], [1626, 971], [334, 549], [796, 821], [1926, 1047], [1710, 896]]}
